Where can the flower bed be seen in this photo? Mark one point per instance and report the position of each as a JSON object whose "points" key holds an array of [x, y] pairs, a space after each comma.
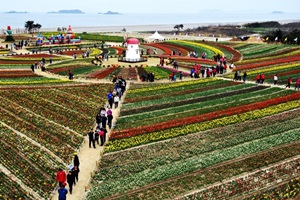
{"points": [[219, 102], [268, 63], [128, 73], [229, 118], [9, 189], [16, 73], [40, 55], [102, 73]]}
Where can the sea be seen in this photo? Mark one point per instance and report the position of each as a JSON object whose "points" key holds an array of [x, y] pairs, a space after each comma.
{"points": [[51, 21]]}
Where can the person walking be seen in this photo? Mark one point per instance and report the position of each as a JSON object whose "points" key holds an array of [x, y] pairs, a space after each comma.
{"points": [[116, 101], [244, 76], [70, 180], [76, 160], [289, 82], [70, 75], [258, 77], [262, 78], [32, 67], [275, 78], [297, 85], [75, 172], [102, 134], [91, 138], [109, 118], [98, 119], [110, 98], [62, 192], [104, 119], [97, 132], [61, 177]]}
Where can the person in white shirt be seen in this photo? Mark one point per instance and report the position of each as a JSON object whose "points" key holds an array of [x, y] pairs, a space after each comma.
{"points": [[275, 79], [116, 100]]}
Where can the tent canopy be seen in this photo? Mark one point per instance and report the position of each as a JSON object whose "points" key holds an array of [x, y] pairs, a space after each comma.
{"points": [[156, 36]]}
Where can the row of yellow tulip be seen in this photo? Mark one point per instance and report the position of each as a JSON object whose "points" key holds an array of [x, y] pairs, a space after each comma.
{"points": [[205, 46]]}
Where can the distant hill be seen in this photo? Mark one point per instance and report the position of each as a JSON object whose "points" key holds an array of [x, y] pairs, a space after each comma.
{"points": [[16, 12], [75, 11], [277, 12], [111, 13]]}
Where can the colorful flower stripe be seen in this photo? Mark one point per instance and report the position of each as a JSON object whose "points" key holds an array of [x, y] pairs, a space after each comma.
{"points": [[167, 51], [31, 82], [270, 58], [270, 69], [182, 50], [174, 70], [66, 68], [205, 46], [42, 55], [283, 74], [194, 60], [267, 63], [125, 143], [102, 73], [16, 73], [236, 55], [200, 118], [171, 85], [119, 50], [177, 93]]}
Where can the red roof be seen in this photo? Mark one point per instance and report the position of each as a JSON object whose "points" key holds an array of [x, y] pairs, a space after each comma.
{"points": [[133, 41]]}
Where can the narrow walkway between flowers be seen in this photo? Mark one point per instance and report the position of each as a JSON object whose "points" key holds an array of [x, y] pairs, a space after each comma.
{"points": [[89, 161]]}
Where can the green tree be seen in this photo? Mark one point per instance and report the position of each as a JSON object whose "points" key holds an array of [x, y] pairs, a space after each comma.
{"points": [[29, 26]]}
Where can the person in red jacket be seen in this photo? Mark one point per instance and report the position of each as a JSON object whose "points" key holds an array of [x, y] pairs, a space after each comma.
{"points": [[262, 78], [258, 77], [61, 177], [289, 83]]}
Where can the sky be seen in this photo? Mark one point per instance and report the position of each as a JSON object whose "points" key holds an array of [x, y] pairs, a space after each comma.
{"points": [[153, 6]]}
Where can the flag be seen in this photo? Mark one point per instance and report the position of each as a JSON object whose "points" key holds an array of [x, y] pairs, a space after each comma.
{"points": [[276, 38], [296, 39], [267, 38], [285, 39]]}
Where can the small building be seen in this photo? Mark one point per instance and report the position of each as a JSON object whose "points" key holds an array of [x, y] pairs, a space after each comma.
{"points": [[132, 50]]}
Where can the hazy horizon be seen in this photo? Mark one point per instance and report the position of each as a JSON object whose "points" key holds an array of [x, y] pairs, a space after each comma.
{"points": [[154, 6]]}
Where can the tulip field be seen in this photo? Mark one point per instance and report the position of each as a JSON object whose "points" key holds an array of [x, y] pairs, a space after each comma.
{"points": [[41, 127], [204, 138], [201, 139]]}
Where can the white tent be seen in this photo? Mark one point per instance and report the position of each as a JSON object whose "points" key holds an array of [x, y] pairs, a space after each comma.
{"points": [[156, 36]]}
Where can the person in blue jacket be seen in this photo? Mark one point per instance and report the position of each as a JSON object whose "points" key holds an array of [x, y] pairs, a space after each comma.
{"points": [[62, 192]]}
